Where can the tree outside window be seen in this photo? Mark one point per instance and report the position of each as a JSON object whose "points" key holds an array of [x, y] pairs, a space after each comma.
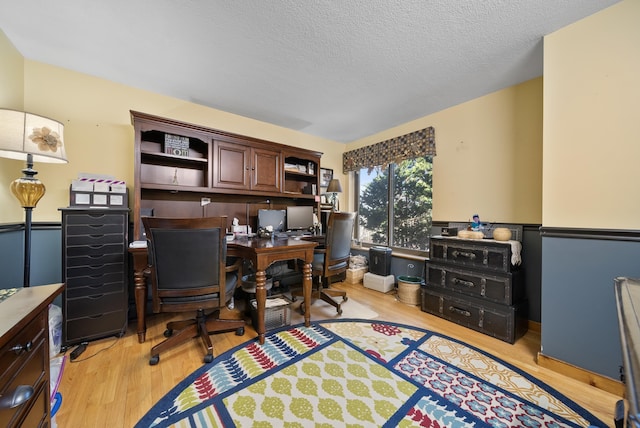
{"points": [[406, 223]]}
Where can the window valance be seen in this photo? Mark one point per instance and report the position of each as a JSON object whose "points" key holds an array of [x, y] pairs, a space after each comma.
{"points": [[412, 145]]}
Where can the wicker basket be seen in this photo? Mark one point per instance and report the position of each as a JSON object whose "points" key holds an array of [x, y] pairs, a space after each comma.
{"points": [[275, 316], [354, 276], [409, 289]]}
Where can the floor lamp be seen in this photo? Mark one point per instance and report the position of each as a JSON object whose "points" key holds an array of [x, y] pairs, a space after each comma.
{"points": [[30, 138]]}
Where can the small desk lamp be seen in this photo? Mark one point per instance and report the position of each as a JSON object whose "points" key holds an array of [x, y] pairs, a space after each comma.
{"points": [[334, 188], [26, 136]]}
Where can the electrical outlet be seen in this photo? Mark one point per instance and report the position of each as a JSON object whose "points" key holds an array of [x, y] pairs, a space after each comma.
{"points": [[205, 201]]}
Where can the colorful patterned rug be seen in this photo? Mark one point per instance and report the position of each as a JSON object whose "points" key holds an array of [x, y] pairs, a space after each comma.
{"points": [[362, 373]]}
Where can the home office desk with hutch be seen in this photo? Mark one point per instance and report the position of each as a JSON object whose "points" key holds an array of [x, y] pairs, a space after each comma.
{"points": [[261, 251]]}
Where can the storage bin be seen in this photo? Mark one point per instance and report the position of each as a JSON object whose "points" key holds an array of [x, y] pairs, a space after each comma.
{"points": [[409, 289], [277, 313], [354, 276]]}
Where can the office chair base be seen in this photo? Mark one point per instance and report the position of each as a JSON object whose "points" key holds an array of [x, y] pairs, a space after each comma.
{"points": [[202, 326]]}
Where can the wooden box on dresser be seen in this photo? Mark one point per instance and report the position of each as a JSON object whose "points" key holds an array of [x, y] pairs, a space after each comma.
{"points": [[24, 356], [94, 268], [475, 283]]}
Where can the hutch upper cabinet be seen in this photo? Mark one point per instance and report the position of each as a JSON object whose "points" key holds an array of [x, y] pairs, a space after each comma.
{"points": [[186, 170]]}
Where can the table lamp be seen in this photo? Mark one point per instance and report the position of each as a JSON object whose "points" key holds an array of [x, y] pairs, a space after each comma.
{"points": [[26, 136], [334, 188]]}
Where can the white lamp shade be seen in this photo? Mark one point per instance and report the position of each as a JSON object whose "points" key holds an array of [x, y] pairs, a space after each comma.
{"points": [[25, 133]]}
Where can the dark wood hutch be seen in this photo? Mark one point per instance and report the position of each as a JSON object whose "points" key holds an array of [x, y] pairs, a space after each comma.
{"points": [[187, 170]]}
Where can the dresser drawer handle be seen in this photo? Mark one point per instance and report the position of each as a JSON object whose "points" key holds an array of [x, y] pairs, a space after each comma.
{"points": [[19, 349], [459, 311], [17, 397], [470, 256], [463, 282]]}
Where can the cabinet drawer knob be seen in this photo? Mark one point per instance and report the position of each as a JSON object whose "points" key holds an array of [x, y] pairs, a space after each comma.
{"points": [[19, 349], [17, 397], [459, 311]]}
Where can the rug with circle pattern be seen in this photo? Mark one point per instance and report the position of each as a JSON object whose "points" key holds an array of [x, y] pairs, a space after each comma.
{"points": [[362, 373]]}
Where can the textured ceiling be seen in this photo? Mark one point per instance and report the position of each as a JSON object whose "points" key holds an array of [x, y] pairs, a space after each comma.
{"points": [[337, 69]]}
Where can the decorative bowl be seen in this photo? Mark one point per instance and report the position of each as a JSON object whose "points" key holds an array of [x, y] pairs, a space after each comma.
{"points": [[501, 234]]}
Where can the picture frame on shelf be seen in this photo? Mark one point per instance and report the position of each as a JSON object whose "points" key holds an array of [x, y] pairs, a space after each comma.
{"points": [[325, 176]]}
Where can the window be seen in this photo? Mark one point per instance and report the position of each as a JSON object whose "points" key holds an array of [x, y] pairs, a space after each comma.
{"points": [[406, 222]]}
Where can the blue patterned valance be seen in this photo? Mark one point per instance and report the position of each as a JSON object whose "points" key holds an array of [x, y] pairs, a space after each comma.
{"points": [[415, 144]]}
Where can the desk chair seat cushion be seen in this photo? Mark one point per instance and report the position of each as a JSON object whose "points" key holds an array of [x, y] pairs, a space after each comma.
{"points": [[318, 264], [230, 286]]}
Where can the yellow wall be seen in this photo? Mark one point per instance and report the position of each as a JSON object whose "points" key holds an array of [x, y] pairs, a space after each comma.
{"points": [[11, 97], [489, 156], [591, 122], [99, 135]]}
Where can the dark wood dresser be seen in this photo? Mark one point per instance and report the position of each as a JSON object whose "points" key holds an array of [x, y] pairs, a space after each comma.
{"points": [[475, 284], [24, 356], [94, 268]]}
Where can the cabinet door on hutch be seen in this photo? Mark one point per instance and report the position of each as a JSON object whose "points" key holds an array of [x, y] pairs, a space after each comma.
{"points": [[243, 167]]}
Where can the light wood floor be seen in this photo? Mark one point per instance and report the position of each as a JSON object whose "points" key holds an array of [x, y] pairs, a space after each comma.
{"points": [[112, 384]]}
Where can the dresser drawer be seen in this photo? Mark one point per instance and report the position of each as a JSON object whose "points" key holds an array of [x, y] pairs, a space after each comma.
{"points": [[88, 328], [91, 305], [504, 288], [507, 323], [27, 368], [10, 361], [480, 254]]}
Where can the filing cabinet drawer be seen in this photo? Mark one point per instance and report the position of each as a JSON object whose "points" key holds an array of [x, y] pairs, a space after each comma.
{"points": [[104, 324], [94, 250], [97, 260], [90, 281], [93, 271], [507, 323], [504, 288], [94, 229], [90, 240], [94, 217], [95, 304], [100, 287]]}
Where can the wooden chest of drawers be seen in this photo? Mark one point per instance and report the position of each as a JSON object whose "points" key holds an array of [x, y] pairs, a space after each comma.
{"points": [[24, 355], [94, 255], [474, 283]]}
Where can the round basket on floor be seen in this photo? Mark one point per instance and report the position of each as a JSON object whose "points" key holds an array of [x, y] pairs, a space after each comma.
{"points": [[409, 289]]}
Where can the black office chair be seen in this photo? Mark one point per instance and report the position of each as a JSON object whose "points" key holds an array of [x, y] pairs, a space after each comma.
{"points": [[332, 258], [187, 260]]}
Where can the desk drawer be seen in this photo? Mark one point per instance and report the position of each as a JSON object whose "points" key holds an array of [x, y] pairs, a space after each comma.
{"points": [[503, 288], [10, 361], [503, 322]]}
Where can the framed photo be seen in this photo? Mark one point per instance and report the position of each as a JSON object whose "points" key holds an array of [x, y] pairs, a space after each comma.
{"points": [[325, 176]]}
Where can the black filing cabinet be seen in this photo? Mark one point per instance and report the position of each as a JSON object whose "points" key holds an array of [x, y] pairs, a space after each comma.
{"points": [[94, 268]]}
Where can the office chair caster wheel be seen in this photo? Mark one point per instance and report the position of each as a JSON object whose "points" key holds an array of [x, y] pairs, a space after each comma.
{"points": [[345, 298], [339, 311], [154, 360], [240, 331], [168, 333], [302, 308], [208, 358]]}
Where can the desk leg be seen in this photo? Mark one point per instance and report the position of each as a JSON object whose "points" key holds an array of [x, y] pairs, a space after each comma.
{"points": [[306, 292], [141, 300], [261, 299]]}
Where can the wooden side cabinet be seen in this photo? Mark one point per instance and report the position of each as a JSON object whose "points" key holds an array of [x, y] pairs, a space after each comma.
{"points": [[24, 356], [94, 268]]}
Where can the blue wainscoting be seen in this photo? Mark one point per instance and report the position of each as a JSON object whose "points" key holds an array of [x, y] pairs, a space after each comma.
{"points": [[579, 315], [46, 254]]}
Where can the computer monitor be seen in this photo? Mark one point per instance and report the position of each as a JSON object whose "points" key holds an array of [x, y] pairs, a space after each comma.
{"points": [[299, 217], [273, 218]]}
